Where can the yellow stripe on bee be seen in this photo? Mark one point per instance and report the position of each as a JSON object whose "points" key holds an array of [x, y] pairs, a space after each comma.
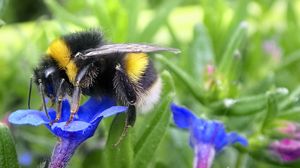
{"points": [[71, 70], [60, 52], [135, 65]]}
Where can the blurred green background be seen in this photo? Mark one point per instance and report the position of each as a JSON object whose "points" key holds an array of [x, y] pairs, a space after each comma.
{"points": [[239, 49]]}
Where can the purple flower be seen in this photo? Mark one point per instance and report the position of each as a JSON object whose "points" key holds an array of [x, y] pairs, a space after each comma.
{"points": [[71, 136], [287, 149], [206, 137], [272, 48]]}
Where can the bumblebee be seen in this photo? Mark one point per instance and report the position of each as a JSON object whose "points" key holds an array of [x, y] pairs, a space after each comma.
{"points": [[82, 63]]}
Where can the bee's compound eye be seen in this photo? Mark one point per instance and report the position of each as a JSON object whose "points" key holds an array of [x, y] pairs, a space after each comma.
{"points": [[49, 71]]}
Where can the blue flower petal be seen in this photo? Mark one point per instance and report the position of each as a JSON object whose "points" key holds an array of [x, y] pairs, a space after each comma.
{"points": [[76, 130], [93, 107], [52, 113], [183, 117], [71, 127], [210, 129], [197, 131], [110, 111], [233, 137], [65, 113], [31, 117], [220, 138], [25, 159], [205, 131]]}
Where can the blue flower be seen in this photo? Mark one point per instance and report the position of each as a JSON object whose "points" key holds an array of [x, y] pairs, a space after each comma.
{"points": [[72, 135], [25, 159], [206, 137]]}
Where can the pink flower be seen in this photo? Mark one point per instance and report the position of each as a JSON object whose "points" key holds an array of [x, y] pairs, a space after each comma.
{"points": [[290, 128], [287, 149]]}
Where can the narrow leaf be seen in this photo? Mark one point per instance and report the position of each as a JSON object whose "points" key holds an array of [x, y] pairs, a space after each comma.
{"points": [[133, 10], [8, 155], [243, 106], [2, 23], [158, 20], [201, 52], [235, 42], [271, 111], [150, 139], [195, 89], [292, 114], [119, 155], [64, 15], [99, 10]]}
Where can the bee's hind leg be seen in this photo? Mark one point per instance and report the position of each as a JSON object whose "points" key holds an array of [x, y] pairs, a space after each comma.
{"points": [[125, 87], [129, 122], [131, 116]]}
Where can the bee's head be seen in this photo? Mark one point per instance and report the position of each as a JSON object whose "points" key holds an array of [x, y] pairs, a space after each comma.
{"points": [[43, 78]]}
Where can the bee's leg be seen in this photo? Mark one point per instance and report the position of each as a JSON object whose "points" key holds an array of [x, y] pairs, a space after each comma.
{"points": [[126, 87], [131, 116], [129, 122], [41, 88], [29, 93], [76, 94], [74, 104], [59, 96]]}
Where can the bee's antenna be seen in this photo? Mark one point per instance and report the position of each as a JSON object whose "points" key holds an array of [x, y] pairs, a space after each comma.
{"points": [[29, 93], [43, 98]]}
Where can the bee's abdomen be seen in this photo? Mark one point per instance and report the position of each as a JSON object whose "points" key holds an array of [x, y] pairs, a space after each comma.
{"points": [[151, 89], [149, 76]]}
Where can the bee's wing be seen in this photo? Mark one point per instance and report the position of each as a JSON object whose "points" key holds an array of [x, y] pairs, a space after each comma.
{"points": [[126, 48]]}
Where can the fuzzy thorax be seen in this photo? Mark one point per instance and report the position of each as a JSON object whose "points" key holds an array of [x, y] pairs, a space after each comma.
{"points": [[61, 53]]}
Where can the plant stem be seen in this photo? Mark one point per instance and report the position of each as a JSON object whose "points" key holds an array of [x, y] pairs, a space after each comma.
{"points": [[240, 160], [62, 153]]}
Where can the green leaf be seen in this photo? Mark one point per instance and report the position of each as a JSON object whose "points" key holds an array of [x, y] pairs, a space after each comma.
{"points": [[292, 114], [288, 60], [133, 10], [242, 106], [195, 89], [228, 58], [291, 100], [64, 15], [271, 112], [158, 20], [120, 156], [2, 23], [201, 52], [99, 10], [155, 127], [246, 105], [8, 155]]}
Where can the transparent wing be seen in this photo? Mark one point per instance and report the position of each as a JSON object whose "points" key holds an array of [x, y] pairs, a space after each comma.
{"points": [[126, 48]]}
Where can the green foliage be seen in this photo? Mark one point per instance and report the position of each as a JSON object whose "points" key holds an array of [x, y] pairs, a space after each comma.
{"points": [[8, 155], [251, 48], [156, 127]]}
